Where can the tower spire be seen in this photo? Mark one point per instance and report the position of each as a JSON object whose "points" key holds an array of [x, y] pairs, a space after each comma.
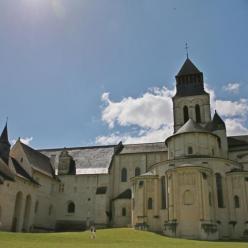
{"points": [[187, 49], [4, 138]]}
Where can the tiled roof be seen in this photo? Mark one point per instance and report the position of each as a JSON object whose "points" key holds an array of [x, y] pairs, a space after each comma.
{"points": [[145, 147], [88, 160]]}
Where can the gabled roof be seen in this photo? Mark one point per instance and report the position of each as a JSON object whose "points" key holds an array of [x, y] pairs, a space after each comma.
{"points": [[88, 160], [191, 127], [188, 68], [4, 136], [5, 171], [20, 171], [38, 160]]}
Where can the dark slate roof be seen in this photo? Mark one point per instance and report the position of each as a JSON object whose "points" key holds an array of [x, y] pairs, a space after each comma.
{"points": [[188, 68], [145, 147], [189, 81], [21, 171], [101, 190], [88, 160], [190, 127], [216, 124], [127, 194], [5, 171], [38, 160], [238, 142], [4, 136]]}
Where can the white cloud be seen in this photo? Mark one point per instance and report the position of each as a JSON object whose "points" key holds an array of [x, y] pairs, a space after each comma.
{"points": [[151, 110], [152, 114], [232, 108], [144, 136], [26, 140], [236, 127], [232, 87]]}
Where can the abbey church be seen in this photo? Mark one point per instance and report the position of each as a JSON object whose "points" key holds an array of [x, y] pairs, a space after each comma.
{"points": [[193, 185]]}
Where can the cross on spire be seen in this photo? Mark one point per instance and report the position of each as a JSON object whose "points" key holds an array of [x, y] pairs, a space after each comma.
{"points": [[187, 49]]}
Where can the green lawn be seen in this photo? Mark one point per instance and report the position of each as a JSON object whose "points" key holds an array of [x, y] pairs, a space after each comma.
{"points": [[109, 238]]}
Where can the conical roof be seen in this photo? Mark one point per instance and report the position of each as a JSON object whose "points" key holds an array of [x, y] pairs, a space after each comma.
{"points": [[4, 136], [216, 124], [190, 127], [188, 68]]}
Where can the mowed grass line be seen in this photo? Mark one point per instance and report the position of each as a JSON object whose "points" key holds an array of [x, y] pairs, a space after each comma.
{"points": [[109, 238]]}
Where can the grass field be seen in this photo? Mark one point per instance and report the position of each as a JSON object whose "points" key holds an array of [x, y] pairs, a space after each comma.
{"points": [[109, 238]]}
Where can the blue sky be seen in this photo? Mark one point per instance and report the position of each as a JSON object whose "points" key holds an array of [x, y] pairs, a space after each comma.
{"points": [[75, 72]]}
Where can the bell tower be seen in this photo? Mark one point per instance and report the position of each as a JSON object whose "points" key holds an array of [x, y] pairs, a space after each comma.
{"points": [[190, 100]]}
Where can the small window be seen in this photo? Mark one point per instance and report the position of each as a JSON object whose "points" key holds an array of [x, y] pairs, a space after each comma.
{"points": [[236, 202], [163, 192], [220, 197], [71, 208], [210, 199], [190, 150], [0, 214], [124, 212], [36, 208], [141, 183], [50, 211], [212, 151], [61, 187], [185, 114], [198, 113], [149, 203], [124, 175], [137, 171], [21, 160]]}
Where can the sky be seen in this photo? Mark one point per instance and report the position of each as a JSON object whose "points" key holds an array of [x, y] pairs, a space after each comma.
{"points": [[94, 72]]}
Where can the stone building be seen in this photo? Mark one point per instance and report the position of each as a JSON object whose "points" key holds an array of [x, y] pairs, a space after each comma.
{"points": [[193, 185]]}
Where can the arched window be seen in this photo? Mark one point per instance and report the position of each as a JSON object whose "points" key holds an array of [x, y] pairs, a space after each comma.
{"points": [[36, 208], [0, 214], [163, 193], [149, 203], [236, 201], [124, 175], [124, 212], [50, 210], [198, 113], [210, 199], [219, 190], [185, 114], [190, 150], [71, 208], [137, 171]]}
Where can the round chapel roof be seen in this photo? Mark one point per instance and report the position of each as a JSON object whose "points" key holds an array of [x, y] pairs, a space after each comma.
{"points": [[190, 127]]}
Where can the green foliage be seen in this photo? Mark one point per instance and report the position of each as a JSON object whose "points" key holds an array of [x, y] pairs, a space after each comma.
{"points": [[108, 238]]}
